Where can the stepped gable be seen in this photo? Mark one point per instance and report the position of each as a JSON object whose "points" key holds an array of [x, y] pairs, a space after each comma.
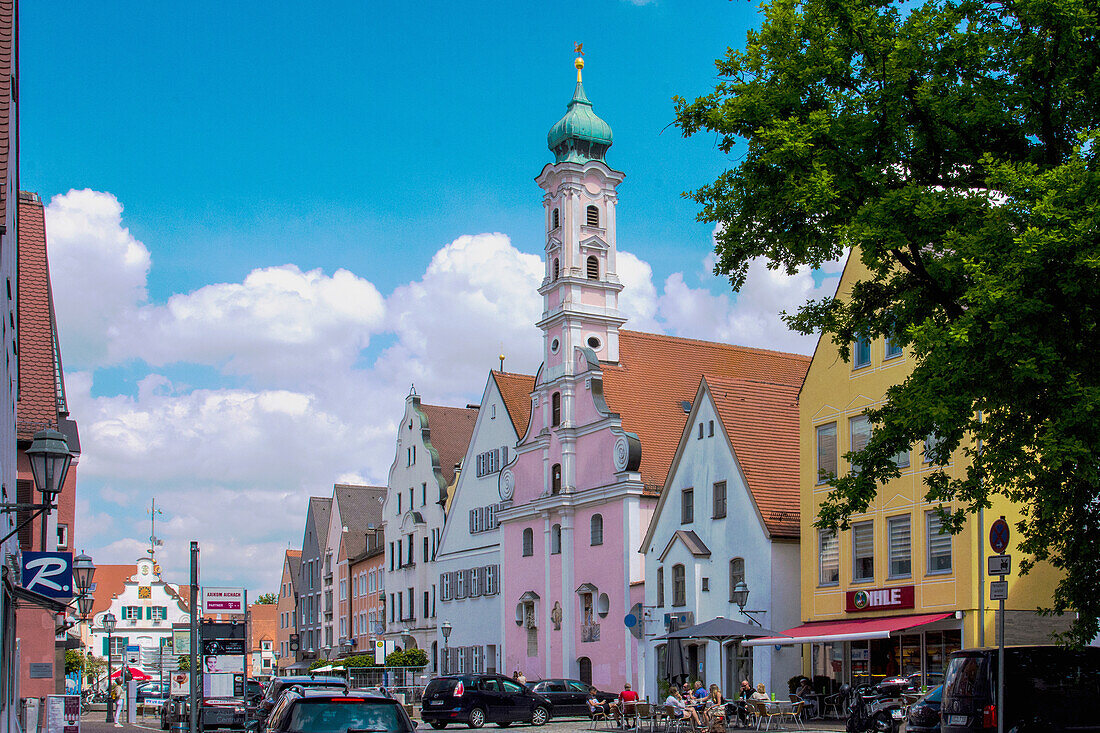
{"points": [[656, 374], [110, 581], [450, 430], [515, 390], [41, 401], [761, 420]]}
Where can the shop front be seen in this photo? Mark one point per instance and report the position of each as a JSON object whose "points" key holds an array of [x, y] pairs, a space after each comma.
{"points": [[855, 650]]}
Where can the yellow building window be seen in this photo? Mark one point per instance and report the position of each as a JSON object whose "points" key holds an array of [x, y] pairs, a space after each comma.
{"points": [[828, 558], [826, 452]]}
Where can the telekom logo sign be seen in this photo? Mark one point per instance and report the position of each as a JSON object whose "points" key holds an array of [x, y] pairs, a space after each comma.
{"points": [[880, 599]]}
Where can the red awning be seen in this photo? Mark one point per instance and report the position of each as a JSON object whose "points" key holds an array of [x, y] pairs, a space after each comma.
{"points": [[826, 631]]}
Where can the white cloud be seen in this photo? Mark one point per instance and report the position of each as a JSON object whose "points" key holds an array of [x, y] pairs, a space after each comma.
{"points": [[232, 464]]}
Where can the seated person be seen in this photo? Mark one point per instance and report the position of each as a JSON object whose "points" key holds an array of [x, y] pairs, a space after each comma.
{"points": [[805, 692], [760, 695], [627, 700], [715, 703], [595, 705], [700, 692], [679, 708], [743, 693]]}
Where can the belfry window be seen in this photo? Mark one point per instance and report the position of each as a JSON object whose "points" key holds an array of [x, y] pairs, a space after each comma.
{"points": [[555, 409], [593, 216], [557, 269], [593, 268], [555, 479], [555, 219]]}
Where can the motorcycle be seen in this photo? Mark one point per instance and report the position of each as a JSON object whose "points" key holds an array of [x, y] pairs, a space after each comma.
{"points": [[879, 708]]}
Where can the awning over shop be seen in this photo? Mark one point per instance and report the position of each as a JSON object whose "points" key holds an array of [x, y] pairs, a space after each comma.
{"points": [[298, 666], [828, 631]]}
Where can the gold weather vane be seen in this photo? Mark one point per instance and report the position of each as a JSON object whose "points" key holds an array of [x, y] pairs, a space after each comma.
{"points": [[578, 48]]}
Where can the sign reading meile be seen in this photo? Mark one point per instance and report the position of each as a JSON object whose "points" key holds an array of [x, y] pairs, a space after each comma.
{"points": [[223, 600], [879, 599]]}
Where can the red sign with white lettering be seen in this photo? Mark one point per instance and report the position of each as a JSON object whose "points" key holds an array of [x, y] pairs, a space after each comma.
{"points": [[879, 599]]}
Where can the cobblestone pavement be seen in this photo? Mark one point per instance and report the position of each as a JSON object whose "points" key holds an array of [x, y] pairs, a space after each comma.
{"points": [[94, 723]]}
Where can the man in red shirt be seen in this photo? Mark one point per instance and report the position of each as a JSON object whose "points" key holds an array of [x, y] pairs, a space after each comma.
{"points": [[627, 700]]}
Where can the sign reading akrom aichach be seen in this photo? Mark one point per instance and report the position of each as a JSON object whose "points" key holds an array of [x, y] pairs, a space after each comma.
{"points": [[223, 600]]}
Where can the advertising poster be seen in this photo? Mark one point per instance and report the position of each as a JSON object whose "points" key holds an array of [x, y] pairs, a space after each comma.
{"points": [[223, 600], [217, 663], [217, 685], [218, 647], [62, 714], [181, 639], [180, 683]]}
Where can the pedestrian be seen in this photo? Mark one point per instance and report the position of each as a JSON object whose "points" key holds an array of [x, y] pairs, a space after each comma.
{"points": [[522, 679]]}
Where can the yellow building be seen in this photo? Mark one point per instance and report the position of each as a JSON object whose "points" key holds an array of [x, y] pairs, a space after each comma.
{"points": [[892, 595]]}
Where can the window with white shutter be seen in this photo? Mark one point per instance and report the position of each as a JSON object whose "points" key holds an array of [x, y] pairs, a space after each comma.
{"points": [[939, 545], [863, 551], [898, 537]]}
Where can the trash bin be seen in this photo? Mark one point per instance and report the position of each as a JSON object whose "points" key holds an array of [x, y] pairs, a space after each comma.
{"points": [[180, 715]]}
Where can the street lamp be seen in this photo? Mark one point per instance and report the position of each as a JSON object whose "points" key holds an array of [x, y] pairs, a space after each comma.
{"points": [[109, 624], [445, 627], [50, 459], [740, 596], [83, 572]]}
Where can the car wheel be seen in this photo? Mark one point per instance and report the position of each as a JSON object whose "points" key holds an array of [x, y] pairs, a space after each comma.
{"points": [[540, 716], [477, 718], [882, 722], [439, 724]]}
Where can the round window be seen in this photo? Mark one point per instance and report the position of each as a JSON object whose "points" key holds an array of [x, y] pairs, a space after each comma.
{"points": [[593, 342], [554, 346]]}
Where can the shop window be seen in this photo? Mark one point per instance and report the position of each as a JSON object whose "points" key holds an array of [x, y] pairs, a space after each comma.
{"points": [[899, 542], [826, 452], [863, 551], [939, 545]]}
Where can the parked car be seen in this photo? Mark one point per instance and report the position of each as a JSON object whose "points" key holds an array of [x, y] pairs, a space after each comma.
{"points": [[276, 686], [319, 710], [924, 714], [567, 697], [477, 699], [1047, 688], [152, 690], [223, 712]]}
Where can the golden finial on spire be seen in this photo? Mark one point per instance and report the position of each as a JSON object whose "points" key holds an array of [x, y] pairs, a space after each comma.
{"points": [[578, 48]]}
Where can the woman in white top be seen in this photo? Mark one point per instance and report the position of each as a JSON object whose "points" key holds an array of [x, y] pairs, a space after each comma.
{"points": [[676, 702], [760, 694]]}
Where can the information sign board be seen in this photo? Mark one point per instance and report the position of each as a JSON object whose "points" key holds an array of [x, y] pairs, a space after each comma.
{"points": [[998, 590], [223, 600], [1000, 564], [181, 639], [48, 573]]}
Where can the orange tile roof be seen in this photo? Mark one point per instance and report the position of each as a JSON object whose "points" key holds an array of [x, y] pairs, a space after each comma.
{"points": [[264, 616], [515, 390], [450, 430], [655, 374], [39, 400], [110, 580], [761, 420]]}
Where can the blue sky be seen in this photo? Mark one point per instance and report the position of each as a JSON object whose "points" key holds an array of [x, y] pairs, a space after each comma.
{"points": [[267, 220]]}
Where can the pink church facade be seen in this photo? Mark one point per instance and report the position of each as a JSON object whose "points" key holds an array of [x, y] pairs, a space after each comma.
{"points": [[608, 409]]}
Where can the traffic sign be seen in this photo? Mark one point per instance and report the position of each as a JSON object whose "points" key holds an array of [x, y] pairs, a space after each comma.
{"points": [[1000, 564], [998, 590], [998, 535]]}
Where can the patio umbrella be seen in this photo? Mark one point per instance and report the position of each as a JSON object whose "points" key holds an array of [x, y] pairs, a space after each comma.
{"points": [[718, 629], [675, 665], [135, 673], [326, 668]]}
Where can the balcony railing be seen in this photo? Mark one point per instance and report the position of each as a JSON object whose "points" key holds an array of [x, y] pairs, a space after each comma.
{"points": [[590, 632]]}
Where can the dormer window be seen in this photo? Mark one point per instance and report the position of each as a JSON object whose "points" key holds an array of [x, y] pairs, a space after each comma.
{"points": [[593, 268], [555, 219], [593, 215]]}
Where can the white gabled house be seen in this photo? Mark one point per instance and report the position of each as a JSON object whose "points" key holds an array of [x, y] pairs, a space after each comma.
{"points": [[468, 563], [728, 512]]}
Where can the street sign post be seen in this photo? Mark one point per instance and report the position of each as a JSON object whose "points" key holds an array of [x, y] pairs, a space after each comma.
{"points": [[1000, 564], [998, 591]]}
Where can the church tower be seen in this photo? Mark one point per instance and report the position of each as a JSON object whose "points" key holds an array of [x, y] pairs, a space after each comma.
{"points": [[580, 291]]}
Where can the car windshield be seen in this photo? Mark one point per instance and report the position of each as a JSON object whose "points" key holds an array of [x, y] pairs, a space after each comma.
{"points": [[324, 716]]}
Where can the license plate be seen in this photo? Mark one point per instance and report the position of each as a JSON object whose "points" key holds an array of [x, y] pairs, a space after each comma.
{"points": [[897, 713], [956, 720], [435, 702]]}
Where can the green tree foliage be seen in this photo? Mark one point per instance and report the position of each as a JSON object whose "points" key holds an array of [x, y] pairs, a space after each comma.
{"points": [[952, 146], [184, 661], [268, 599], [74, 660], [407, 658]]}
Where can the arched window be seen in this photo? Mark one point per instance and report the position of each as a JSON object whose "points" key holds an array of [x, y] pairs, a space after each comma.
{"points": [[737, 573], [528, 542], [555, 479], [596, 529], [660, 587], [593, 216], [555, 540], [557, 269], [679, 586], [593, 268], [555, 220], [555, 409]]}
